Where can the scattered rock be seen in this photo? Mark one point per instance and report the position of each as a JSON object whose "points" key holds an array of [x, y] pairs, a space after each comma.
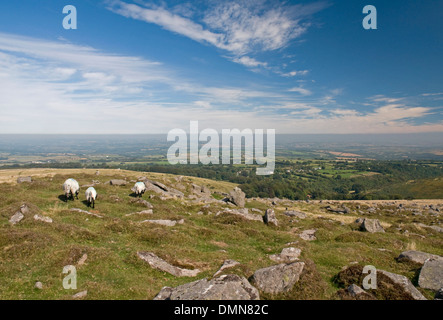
{"points": [[200, 190], [16, 218], [371, 225], [390, 286], [82, 259], [117, 182], [160, 264], [257, 210], [358, 293], [237, 197], [405, 283], [308, 235], [226, 264], [342, 210], [243, 213], [416, 256], [287, 255], [359, 221], [80, 295], [142, 202], [439, 295], [24, 179], [436, 228], [279, 278], [149, 211], [38, 285], [165, 191], [293, 213], [431, 274], [87, 212], [168, 223], [225, 287], [24, 209], [270, 217], [42, 218]]}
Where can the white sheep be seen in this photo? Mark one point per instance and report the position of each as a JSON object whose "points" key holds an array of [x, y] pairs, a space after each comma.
{"points": [[71, 188], [91, 196], [139, 188]]}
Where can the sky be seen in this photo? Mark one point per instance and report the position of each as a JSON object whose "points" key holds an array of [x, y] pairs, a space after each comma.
{"points": [[151, 66]]}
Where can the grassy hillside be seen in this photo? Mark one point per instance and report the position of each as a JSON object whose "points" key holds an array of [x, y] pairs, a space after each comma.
{"points": [[420, 189], [37, 251]]}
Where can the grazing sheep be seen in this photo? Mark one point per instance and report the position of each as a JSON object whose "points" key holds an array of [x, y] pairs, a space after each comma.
{"points": [[139, 188], [91, 195], [71, 188]]}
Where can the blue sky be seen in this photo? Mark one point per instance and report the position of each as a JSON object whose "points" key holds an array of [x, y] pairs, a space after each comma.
{"points": [[151, 66]]}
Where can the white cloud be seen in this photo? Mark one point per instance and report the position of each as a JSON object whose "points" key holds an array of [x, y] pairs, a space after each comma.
{"points": [[239, 28], [57, 87], [294, 73], [248, 26], [167, 20], [249, 62], [302, 91], [381, 98]]}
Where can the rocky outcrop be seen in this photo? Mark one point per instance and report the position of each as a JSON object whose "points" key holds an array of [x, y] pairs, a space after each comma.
{"points": [[416, 256], [435, 228], [24, 179], [142, 202], [404, 283], [431, 274], [270, 217], [19, 215], [279, 278], [308, 235], [294, 213], [358, 293], [80, 295], [167, 223], [16, 218], [226, 264], [160, 188], [225, 287], [343, 209], [287, 255], [160, 264], [200, 190], [117, 182], [237, 197], [371, 225], [243, 213], [38, 217]]}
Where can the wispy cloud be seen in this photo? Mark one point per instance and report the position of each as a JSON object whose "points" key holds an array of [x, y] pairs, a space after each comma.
{"points": [[59, 87], [293, 73], [249, 62], [240, 28], [300, 90]]}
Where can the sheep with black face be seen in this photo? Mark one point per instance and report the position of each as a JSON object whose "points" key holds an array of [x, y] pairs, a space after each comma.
{"points": [[71, 188], [139, 188], [91, 196]]}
